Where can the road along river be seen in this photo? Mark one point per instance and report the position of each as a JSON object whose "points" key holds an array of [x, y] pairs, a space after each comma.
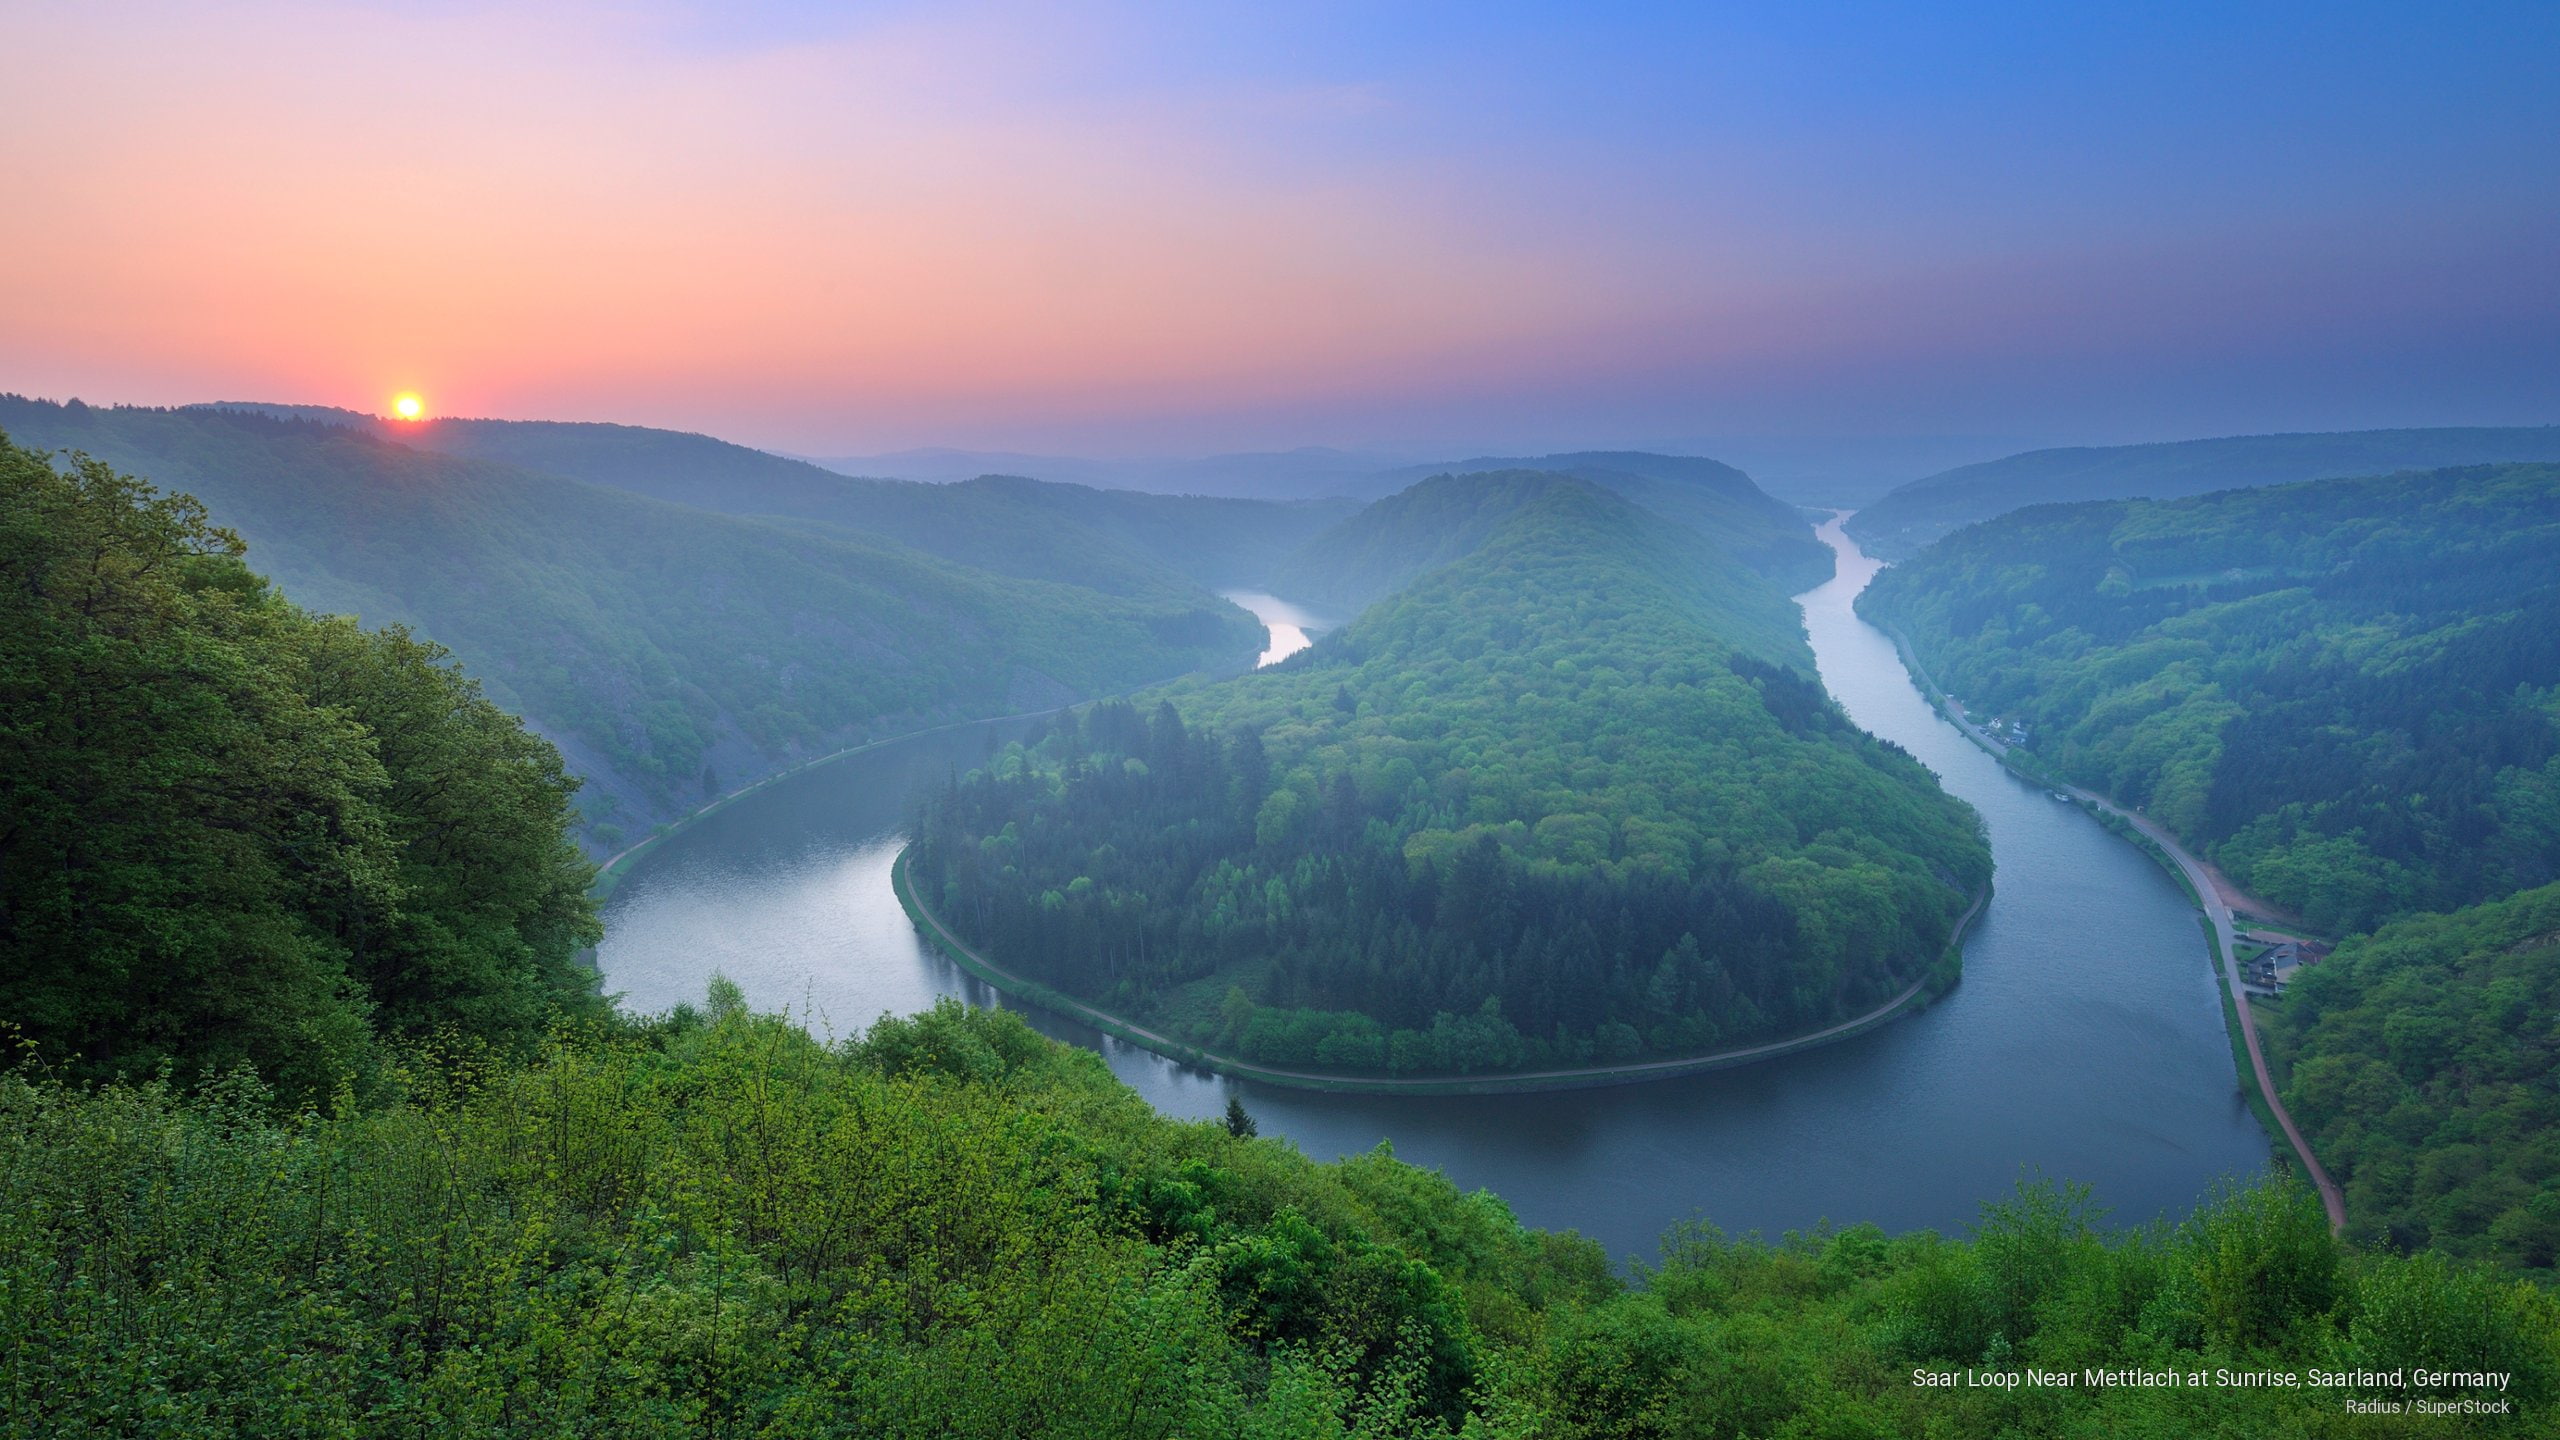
{"points": [[2085, 1043]]}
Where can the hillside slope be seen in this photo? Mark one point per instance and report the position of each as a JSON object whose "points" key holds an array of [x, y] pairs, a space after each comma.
{"points": [[1708, 496], [669, 651], [1905, 521], [1123, 542], [1573, 797], [236, 834], [2347, 692], [1387, 546], [2422, 1061]]}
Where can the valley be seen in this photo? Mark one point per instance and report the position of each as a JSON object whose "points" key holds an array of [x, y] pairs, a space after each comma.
{"points": [[790, 894]]}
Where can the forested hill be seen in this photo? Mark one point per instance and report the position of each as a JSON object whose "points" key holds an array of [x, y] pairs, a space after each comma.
{"points": [[1388, 545], [1572, 798], [2424, 1063], [2347, 692], [1122, 541], [1901, 523], [672, 652], [233, 834], [1708, 496]]}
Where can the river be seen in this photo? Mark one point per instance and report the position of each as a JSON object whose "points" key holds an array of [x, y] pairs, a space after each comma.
{"points": [[2085, 1042], [1291, 628]]}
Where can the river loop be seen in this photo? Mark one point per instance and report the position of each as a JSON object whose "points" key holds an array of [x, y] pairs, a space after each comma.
{"points": [[2085, 1042]]}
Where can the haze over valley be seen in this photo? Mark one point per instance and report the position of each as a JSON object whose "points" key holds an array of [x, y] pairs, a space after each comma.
{"points": [[1123, 720]]}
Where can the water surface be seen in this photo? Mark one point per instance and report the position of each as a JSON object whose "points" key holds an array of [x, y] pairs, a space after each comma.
{"points": [[1291, 627], [2085, 1042]]}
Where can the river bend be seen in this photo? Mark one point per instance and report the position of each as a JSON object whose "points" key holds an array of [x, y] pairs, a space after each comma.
{"points": [[2085, 1042]]}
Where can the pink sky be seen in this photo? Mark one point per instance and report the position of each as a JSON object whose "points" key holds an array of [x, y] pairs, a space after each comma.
{"points": [[988, 224]]}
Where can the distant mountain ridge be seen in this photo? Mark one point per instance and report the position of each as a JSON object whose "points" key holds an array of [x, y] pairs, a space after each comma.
{"points": [[1125, 542], [1111, 539], [1306, 473], [1319, 472], [670, 651], [1908, 519]]}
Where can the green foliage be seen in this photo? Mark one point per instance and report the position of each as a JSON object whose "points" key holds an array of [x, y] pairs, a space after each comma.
{"points": [[2423, 1061], [717, 1226], [1443, 516], [2346, 692], [233, 834], [1388, 545], [1708, 496], [1571, 797], [644, 636], [1910, 518]]}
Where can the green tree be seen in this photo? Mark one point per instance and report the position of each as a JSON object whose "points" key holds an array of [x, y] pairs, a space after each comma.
{"points": [[231, 833]]}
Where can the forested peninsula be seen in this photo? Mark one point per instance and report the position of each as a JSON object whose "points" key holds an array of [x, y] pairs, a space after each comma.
{"points": [[311, 1125], [1571, 797]]}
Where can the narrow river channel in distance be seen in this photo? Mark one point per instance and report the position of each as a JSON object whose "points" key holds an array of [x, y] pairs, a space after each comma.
{"points": [[2085, 1042]]}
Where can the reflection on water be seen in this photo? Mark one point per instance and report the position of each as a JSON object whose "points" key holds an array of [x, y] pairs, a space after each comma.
{"points": [[2085, 1043], [1289, 625]]}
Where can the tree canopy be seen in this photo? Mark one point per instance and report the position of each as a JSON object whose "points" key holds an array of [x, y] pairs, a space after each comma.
{"points": [[711, 1224], [1572, 796], [234, 833], [2423, 1061], [2346, 692], [1347, 568]]}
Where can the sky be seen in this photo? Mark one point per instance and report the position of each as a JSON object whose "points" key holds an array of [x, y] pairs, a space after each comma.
{"points": [[1158, 229]]}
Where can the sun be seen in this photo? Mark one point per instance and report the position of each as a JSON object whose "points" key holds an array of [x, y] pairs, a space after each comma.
{"points": [[408, 407]]}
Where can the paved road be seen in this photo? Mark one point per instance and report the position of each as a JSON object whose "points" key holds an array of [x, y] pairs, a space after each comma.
{"points": [[1381, 1084], [2226, 946]]}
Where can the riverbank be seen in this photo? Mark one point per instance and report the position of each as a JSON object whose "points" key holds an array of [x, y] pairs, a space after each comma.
{"points": [[2203, 885], [2116, 1073], [1940, 978], [609, 871]]}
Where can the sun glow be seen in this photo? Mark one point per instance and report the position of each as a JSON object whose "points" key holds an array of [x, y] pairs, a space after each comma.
{"points": [[408, 407]]}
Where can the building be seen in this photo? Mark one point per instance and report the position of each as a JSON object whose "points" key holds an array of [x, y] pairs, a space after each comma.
{"points": [[2274, 968]]}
